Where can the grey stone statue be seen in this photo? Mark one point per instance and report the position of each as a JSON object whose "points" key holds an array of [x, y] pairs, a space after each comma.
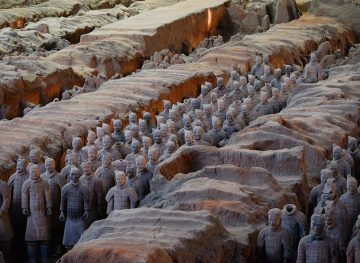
{"points": [[204, 96], [74, 207], [170, 149], [159, 145], [313, 70], [342, 216], [315, 193], [230, 126], [106, 172], [91, 138], [189, 138], [143, 173], [267, 77], [153, 158], [187, 127], [164, 132], [146, 143], [220, 87], [147, 118], [243, 86], [37, 206], [198, 136], [72, 160], [274, 243], [258, 68], [56, 181], [207, 117], [96, 191], [354, 151], [216, 134], [338, 157], [118, 135], [6, 229], [338, 179], [167, 107], [175, 117], [109, 148], [77, 148], [236, 93], [144, 131], [15, 183], [135, 151], [134, 182], [317, 246], [132, 120], [173, 138], [221, 112], [35, 158], [351, 199], [295, 224], [121, 196], [276, 82], [288, 70], [234, 76], [262, 108], [100, 134], [93, 158], [353, 249], [128, 140], [333, 231], [275, 102]]}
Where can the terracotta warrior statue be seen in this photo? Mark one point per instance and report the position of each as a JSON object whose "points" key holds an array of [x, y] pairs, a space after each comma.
{"points": [[204, 96], [276, 82], [147, 118], [106, 172], [109, 148], [121, 196], [230, 126], [313, 70], [146, 143], [133, 181], [353, 249], [15, 183], [262, 108], [236, 92], [6, 229], [100, 134], [35, 158], [167, 107], [170, 149], [317, 246], [216, 134], [275, 102], [198, 136], [258, 68], [207, 117], [220, 87], [143, 173], [37, 206], [72, 160], [343, 166], [315, 193], [354, 151], [78, 149], [74, 207], [91, 137], [132, 120], [56, 181], [96, 191], [221, 112], [351, 199], [333, 231], [153, 158], [159, 145], [234, 76], [338, 179], [274, 243], [118, 135], [295, 224]]}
